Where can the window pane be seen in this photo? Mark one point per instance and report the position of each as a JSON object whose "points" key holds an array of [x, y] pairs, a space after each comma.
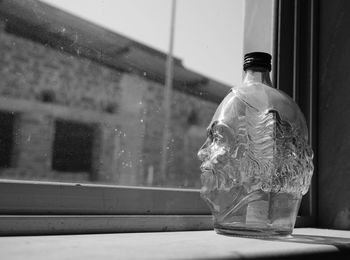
{"points": [[82, 90]]}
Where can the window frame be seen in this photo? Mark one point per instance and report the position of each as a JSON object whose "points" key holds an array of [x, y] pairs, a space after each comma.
{"points": [[295, 66], [30, 207]]}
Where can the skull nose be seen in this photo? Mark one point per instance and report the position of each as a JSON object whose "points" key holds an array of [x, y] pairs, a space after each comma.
{"points": [[204, 151], [202, 154]]}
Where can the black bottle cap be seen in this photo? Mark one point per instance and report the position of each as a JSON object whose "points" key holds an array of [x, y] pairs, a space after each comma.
{"points": [[257, 60]]}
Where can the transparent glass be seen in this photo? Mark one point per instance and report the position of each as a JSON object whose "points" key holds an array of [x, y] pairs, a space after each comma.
{"points": [[256, 161]]}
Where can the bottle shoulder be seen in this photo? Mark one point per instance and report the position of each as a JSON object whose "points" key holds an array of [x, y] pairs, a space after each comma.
{"points": [[261, 99]]}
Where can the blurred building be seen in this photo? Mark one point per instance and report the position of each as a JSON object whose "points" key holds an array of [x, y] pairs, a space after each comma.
{"points": [[81, 103]]}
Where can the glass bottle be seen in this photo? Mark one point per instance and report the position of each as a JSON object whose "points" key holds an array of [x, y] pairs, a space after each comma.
{"points": [[256, 161]]}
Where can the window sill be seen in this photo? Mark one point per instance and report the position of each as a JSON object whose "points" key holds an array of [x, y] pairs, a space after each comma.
{"points": [[306, 242]]}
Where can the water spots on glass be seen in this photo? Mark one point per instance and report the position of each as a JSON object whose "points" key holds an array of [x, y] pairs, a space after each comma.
{"points": [[80, 73], [127, 164]]}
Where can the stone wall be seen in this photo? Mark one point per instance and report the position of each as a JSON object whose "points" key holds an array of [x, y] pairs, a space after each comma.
{"points": [[32, 70], [34, 74], [40, 84], [183, 165]]}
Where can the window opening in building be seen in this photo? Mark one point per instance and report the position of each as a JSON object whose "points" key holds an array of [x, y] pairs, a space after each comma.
{"points": [[192, 118], [7, 120], [73, 146], [47, 96]]}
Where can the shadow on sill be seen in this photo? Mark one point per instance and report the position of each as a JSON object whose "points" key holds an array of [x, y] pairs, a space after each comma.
{"points": [[308, 256], [341, 243]]}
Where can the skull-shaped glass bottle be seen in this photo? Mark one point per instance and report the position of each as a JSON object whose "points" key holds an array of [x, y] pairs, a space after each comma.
{"points": [[256, 161]]}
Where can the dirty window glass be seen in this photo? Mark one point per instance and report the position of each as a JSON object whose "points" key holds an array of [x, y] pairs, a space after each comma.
{"points": [[92, 91]]}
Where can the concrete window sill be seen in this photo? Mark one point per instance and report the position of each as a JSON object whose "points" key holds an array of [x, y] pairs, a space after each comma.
{"points": [[305, 242]]}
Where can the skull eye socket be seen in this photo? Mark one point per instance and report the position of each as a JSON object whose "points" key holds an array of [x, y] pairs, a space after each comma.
{"points": [[217, 137], [218, 133]]}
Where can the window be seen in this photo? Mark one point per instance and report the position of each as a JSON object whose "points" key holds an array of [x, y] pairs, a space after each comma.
{"points": [[6, 138], [47, 96], [100, 95], [73, 147], [59, 64]]}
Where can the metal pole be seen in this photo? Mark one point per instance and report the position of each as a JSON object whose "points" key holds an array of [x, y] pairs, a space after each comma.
{"points": [[167, 98]]}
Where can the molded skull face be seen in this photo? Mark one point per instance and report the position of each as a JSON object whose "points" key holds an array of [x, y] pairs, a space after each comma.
{"points": [[219, 156], [225, 147], [252, 150]]}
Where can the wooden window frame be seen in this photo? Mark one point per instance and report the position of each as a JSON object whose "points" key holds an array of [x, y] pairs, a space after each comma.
{"points": [[29, 207]]}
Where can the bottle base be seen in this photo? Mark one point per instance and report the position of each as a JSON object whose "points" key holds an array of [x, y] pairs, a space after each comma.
{"points": [[251, 232]]}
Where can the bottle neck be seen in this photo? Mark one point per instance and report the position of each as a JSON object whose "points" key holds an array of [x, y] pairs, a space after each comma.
{"points": [[257, 75]]}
